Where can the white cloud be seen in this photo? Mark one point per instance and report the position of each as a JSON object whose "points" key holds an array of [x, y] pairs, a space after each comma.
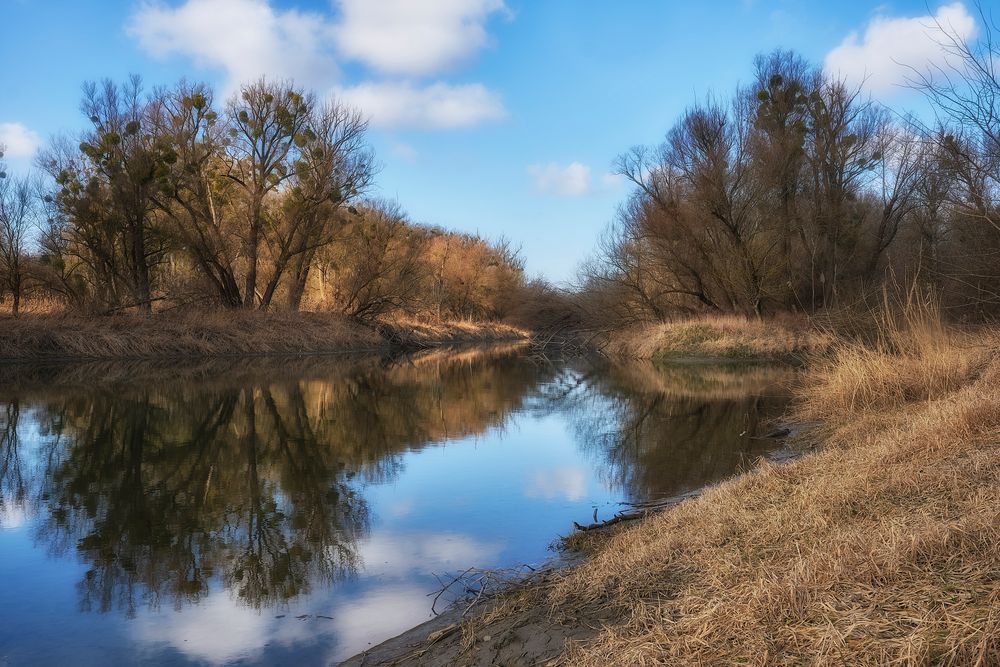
{"points": [[13, 515], [398, 556], [219, 630], [612, 181], [386, 600], [245, 38], [890, 47], [572, 180], [436, 106], [413, 38], [568, 482], [378, 614], [18, 140]]}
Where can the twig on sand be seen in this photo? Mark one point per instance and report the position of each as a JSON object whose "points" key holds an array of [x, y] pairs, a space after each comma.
{"points": [[478, 584]]}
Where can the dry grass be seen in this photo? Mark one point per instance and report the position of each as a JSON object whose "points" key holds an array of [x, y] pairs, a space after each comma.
{"points": [[214, 333], [33, 305], [882, 548], [911, 355], [721, 337], [418, 333]]}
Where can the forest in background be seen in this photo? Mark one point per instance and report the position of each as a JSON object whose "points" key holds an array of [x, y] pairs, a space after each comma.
{"points": [[170, 200], [800, 193], [797, 193]]}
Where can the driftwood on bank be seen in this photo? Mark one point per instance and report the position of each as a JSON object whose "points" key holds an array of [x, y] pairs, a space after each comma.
{"points": [[639, 511]]}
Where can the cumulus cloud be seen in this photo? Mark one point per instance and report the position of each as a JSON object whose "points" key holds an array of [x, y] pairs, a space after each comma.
{"points": [[387, 599], [413, 38], [17, 140], [612, 181], [247, 39], [14, 515], [571, 180], [884, 54], [244, 38], [435, 106]]}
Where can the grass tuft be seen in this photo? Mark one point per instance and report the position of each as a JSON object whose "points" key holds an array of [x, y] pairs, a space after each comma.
{"points": [[721, 337]]}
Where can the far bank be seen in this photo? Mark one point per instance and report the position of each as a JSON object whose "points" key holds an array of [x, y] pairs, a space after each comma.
{"points": [[226, 333]]}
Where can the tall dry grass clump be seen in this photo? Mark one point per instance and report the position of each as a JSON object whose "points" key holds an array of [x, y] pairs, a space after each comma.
{"points": [[721, 337], [881, 548], [909, 354]]}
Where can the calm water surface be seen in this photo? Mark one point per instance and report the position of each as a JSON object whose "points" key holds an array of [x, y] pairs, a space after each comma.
{"points": [[297, 511]]}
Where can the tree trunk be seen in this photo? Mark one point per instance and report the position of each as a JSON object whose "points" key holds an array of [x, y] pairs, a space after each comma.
{"points": [[300, 277], [16, 297], [140, 268], [253, 240]]}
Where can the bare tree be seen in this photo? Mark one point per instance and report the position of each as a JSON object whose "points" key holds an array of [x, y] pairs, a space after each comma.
{"points": [[378, 262], [336, 166], [779, 104], [902, 157], [122, 152], [18, 215], [964, 90], [268, 122], [195, 198]]}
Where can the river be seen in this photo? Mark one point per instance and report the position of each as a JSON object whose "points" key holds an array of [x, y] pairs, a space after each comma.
{"points": [[297, 511]]}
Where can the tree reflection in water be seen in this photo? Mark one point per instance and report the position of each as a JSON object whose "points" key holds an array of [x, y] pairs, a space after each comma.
{"points": [[657, 432], [13, 482], [163, 489], [251, 477]]}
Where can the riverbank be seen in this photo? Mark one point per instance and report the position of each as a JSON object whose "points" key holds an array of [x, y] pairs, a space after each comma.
{"points": [[225, 333], [879, 547], [721, 337]]}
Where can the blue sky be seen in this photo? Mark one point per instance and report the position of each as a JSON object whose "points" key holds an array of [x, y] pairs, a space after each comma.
{"points": [[489, 116]]}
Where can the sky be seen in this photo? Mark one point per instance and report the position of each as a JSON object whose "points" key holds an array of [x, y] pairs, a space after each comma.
{"points": [[497, 117]]}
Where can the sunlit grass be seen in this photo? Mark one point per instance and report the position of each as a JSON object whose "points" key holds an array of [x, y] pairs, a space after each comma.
{"points": [[881, 548], [722, 337], [219, 332]]}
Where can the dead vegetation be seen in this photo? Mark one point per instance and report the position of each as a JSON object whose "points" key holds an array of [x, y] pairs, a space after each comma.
{"points": [[879, 549], [219, 333], [415, 333], [721, 337]]}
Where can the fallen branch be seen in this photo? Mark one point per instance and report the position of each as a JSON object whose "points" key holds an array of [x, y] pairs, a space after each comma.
{"points": [[639, 511]]}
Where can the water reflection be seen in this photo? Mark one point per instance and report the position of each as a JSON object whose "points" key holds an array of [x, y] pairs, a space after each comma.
{"points": [[233, 489], [658, 432], [13, 477]]}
